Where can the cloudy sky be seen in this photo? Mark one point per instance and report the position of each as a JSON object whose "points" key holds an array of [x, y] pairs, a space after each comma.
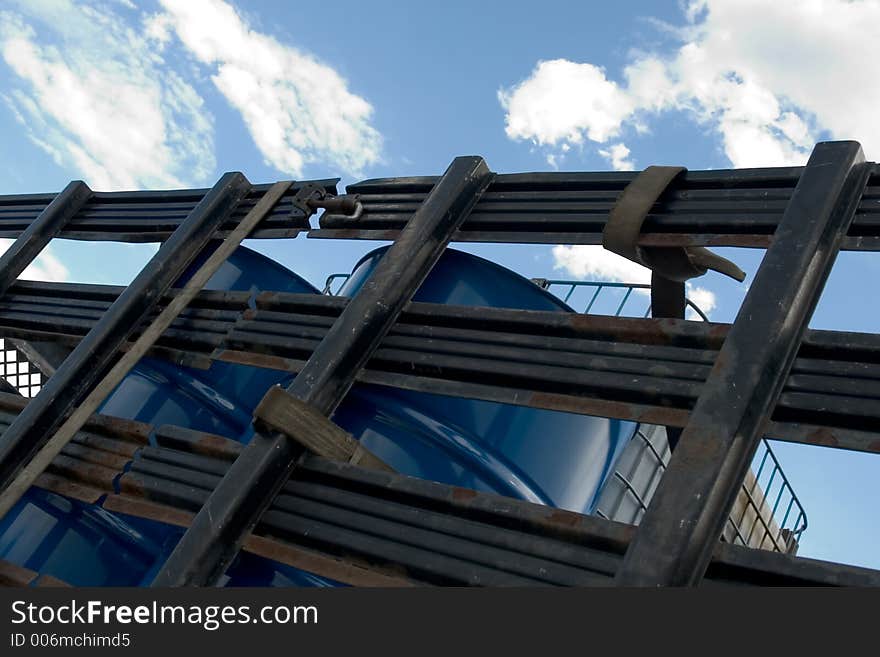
{"points": [[171, 93]]}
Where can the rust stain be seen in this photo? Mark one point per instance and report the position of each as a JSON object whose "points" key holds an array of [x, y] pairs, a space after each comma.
{"points": [[150, 510], [121, 447], [463, 494], [259, 360], [47, 581], [333, 567], [120, 428], [676, 417], [90, 474], [705, 239], [564, 518], [14, 575], [67, 488]]}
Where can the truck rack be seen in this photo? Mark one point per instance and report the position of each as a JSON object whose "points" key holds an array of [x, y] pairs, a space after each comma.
{"points": [[299, 492]]}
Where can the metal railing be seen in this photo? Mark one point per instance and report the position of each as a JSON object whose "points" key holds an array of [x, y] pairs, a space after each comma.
{"points": [[624, 294], [331, 281], [782, 536]]}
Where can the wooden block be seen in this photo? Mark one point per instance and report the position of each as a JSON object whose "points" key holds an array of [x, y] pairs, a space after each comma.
{"points": [[281, 411]]}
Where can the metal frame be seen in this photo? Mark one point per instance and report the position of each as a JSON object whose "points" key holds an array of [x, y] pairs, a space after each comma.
{"points": [[89, 360], [724, 385]]}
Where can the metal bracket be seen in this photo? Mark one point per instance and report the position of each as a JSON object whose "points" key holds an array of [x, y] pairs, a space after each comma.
{"points": [[311, 197], [624, 226]]}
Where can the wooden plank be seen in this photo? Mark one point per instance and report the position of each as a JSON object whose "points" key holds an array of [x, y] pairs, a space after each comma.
{"points": [[281, 411]]}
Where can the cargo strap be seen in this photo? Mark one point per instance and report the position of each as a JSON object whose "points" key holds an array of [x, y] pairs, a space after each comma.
{"points": [[670, 266], [624, 226], [281, 411]]}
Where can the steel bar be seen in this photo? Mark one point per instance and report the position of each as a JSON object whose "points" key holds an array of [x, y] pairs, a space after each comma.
{"points": [[233, 508], [687, 513], [95, 353], [10, 495], [734, 208], [145, 216]]}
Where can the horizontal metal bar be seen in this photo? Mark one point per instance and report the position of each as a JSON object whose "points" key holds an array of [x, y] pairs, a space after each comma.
{"points": [[272, 338], [144, 216]]}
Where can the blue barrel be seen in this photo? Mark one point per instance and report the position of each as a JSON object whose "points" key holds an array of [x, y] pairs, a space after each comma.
{"points": [[549, 457]]}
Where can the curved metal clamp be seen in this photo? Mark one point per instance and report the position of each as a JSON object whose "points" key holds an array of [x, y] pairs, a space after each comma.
{"points": [[675, 263], [311, 197]]}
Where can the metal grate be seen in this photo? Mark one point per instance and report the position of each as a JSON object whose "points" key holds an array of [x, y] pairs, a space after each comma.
{"points": [[756, 519], [18, 372]]}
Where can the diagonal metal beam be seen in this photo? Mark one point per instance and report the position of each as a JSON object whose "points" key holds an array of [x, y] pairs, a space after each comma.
{"points": [[40, 232], [265, 464], [683, 523], [41, 460]]}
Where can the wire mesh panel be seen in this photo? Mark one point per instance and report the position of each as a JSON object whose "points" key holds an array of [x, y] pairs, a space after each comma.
{"points": [[17, 371]]}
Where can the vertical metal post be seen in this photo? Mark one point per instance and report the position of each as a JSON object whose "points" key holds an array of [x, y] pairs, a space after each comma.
{"points": [[684, 521], [40, 232], [265, 464], [668, 300], [94, 354]]}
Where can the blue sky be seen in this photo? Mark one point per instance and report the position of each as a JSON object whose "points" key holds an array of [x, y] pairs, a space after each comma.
{"points": [[171, 93]]}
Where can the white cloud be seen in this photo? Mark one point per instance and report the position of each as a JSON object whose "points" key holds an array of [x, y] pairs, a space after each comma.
{"points": [[768, 86], [91, 92], [297, 109], [596, 263], [45, 267], [563, 101], [704, 299], [618, 155], [769, 78]]}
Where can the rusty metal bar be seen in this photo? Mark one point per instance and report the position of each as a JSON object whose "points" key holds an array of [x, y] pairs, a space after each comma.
{"points": [[46, 225]]}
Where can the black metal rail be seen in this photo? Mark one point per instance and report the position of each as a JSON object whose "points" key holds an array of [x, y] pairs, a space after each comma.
{"points": [[401, 531], [637, 369], [141, 216], [736, 207]]}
